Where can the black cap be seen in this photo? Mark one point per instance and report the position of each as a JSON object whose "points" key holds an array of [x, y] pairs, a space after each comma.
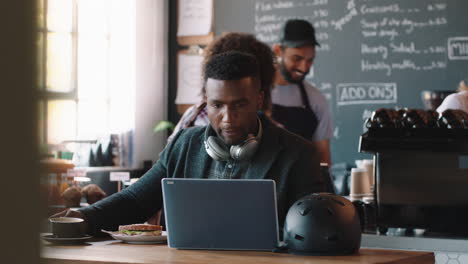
{"points": [[297, 33]]}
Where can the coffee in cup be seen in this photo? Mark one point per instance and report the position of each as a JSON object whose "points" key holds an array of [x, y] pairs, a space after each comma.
{"points": [[67, 227]]}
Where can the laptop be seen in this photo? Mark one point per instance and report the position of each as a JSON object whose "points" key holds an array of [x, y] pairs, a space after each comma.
{"points": [[220, 214]]}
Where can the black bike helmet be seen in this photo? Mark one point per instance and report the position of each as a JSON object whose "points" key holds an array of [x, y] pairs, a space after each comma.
{"points": [[322, 224]]}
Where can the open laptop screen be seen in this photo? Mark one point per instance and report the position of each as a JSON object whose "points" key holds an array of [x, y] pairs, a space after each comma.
{"points": [[220, 214]]}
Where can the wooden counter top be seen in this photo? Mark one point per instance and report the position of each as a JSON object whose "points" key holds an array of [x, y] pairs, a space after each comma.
{"points": [[113, 251]]}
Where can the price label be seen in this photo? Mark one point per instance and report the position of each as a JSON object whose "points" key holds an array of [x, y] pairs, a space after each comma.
{"points": [[79, 175], [120, 176]]}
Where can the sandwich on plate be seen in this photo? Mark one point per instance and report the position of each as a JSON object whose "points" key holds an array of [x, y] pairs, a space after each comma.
{"points": [[140, 230]]}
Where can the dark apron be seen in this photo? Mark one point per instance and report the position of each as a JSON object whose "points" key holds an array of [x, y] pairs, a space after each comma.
{"points": [[299, 120]]}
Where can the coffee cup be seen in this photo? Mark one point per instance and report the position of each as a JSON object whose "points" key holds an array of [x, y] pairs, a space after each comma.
{"points": [[360, 185], [67, 227], [369, 166]]}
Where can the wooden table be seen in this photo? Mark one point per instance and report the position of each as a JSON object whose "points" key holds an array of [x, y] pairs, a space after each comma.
{"points": [[113, 251]]}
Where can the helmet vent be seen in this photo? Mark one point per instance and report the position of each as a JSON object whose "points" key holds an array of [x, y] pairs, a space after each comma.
{"points": [[299, 203], [305, 211], [330, 211], [298, 237], [338, 202]]}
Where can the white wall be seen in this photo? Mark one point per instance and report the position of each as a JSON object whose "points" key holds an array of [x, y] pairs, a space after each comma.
{"points": [[151, 78]]}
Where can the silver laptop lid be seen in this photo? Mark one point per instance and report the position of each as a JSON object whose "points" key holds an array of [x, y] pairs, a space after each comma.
{"points": [[220, 214]]}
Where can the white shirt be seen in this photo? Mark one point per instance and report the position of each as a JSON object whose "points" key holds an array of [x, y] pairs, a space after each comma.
{"points": [[455, 101]]}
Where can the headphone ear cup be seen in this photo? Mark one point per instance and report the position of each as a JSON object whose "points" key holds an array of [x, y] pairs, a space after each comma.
{"points": [[216, 148], [244, 151]]}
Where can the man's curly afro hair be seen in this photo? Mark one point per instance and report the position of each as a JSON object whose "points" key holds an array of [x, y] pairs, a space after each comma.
{"points": [[246, 42], [231, 65]]}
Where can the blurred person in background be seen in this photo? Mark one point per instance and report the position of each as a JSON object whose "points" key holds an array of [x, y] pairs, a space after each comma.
{"points": [[458, 101], [298, 105]]}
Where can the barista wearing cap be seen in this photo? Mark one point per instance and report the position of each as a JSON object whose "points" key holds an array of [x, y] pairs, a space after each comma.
{"points": [[298, 105]]}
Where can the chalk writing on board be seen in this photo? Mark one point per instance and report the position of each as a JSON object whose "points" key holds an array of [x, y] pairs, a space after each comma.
{"points": [[336, 133], [268, 6], [325, 86], [458, 48], [352, 12], [394, 8], [366, 93], [392, 27], [381, 50], [406, 64], [436, 7], [316, 2], [401, 47], [435, 49]]}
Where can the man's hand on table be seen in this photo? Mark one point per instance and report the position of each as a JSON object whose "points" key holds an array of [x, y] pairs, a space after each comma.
{"points": [[69, 213]]}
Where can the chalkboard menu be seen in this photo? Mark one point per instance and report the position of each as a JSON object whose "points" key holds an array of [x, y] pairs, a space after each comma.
{"points": [[373, 53]]}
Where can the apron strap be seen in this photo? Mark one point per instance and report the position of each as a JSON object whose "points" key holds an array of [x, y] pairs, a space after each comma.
{"points": [[304, 97]]}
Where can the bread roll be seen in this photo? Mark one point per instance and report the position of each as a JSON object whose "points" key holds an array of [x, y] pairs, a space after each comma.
{"points": [[72, 197], [93, 193]]}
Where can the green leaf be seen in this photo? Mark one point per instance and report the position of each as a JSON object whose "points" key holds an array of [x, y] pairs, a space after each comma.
{"points": [[163, 125]]}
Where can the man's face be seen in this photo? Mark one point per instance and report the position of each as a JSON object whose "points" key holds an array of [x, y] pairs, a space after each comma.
{"points": [[295, 63], [232, 108]]}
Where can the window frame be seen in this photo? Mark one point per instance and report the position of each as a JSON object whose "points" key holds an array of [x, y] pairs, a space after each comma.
{"points": [[45, 96]]}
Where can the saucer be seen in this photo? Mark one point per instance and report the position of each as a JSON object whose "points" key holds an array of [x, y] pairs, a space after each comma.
{"points": [[64, 240]]}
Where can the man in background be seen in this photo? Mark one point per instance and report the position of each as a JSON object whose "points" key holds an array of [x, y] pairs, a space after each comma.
{"points": [[297, 105]]}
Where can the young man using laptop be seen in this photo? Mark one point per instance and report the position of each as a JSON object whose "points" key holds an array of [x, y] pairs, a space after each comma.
{"points": [[239, 143]]}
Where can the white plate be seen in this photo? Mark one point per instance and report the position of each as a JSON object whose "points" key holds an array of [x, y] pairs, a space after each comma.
{"points": [[138, 239]]}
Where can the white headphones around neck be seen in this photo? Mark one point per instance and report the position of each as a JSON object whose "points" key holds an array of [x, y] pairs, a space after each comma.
{"points": [[218, 150]]}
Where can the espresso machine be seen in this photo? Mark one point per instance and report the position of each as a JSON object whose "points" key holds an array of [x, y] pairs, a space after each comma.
{"points": [[421, 170]]}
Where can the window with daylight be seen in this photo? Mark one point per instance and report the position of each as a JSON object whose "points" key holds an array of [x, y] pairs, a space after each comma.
{"points": [[86, 68]]}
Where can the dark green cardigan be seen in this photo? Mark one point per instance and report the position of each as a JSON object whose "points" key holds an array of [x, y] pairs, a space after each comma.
{"points": [[289, 160]]}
